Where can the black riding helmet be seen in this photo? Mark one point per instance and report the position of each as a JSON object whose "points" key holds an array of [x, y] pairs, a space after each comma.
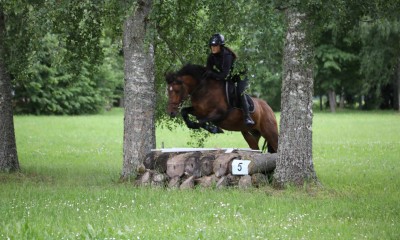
{"points": [[217, 39]]}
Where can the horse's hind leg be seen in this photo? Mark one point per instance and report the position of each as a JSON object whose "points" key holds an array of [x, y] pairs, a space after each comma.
{"points": [[251, 139], [271, 149], [270, 134]]}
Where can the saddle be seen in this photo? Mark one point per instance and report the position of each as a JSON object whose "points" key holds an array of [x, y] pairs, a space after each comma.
{"points": [[233, 98]]}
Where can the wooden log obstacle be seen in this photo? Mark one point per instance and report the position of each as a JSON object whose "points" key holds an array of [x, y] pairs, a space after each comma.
{"points": [[190, 167]]}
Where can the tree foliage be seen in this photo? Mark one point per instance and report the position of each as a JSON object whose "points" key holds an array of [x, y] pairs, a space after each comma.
{"points": [[50, 88], [379, 60], [306, 21], [353, 46], [183, 29], [54, 52]]}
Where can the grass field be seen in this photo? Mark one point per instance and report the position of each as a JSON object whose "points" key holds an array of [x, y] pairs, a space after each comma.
{"points": [[68, 187]]}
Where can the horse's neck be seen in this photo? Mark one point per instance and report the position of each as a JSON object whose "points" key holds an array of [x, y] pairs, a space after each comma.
{"points": [[192, 88], [199, 88], [204, 87], [192, 85]]}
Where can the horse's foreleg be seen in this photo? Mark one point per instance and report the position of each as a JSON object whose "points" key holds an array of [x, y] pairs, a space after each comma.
{"points": [[209, 122], [201, 124], [185, 115], [211, 127]]}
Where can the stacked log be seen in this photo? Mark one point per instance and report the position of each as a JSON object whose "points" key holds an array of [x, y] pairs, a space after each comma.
{"points": [[186, 170]]}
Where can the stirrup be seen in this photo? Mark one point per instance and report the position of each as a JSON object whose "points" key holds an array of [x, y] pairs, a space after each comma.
{"points": [[248, 121]]}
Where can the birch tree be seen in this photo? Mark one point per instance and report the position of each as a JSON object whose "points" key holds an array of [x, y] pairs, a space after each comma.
{"points": [[139, 91], [295, 163], [8, 148]]}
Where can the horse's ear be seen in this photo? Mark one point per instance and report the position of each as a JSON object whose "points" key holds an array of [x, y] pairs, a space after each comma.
{"points": [[169, 77]]}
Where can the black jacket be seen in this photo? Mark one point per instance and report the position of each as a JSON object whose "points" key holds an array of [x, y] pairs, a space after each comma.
{"points": [[220, 65]]}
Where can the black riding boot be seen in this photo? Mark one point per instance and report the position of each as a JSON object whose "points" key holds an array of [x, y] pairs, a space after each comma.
{"points": [[245, 107]]}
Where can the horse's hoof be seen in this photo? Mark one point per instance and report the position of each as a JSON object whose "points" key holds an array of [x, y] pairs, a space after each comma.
{"points": [[215, 130], [192, 125]]}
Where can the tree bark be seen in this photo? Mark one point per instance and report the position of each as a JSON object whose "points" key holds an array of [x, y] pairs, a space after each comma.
{"points": [[320, 102], [222, 163], [260, 165], [157, 161], [139, 90], [8, 149], [295, 164], [341, 103], [176, 165], [332, 100], [397, 87]]}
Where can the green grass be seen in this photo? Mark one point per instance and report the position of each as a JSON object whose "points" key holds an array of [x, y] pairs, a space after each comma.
{"points": [[68, 187]]}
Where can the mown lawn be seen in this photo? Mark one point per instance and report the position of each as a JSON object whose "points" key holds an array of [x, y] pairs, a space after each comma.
{"points": [[68, 187]]}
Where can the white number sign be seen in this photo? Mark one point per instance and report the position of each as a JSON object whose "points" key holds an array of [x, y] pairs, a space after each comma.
{"points": [[240, 167]]}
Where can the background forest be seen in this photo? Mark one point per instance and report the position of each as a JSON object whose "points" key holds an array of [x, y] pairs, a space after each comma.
{"points": [[65, 57]]}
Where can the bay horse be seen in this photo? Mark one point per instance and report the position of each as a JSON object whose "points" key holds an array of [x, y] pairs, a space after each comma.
{"points": [[209, 103]]}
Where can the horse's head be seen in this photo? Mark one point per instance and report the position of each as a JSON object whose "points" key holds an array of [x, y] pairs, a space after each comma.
{"points": [[176, 93], [181, 84]]}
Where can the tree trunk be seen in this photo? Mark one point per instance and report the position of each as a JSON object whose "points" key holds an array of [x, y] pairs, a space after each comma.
{"points": [[397, 87], [341, 103], [8, 149], [139, 90], [360, 102], [332, 100], [295, 164], [320, 102]]}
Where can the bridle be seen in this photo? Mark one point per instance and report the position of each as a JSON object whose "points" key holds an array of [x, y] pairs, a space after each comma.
{"points": [[182, 96]]}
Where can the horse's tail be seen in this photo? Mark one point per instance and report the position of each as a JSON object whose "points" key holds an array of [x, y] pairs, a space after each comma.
{"points": [[264, 147], [267, 148]]}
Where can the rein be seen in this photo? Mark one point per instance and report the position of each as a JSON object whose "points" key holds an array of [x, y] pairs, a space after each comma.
{"points": [[193, 84], [182, 97], [197, 88]]}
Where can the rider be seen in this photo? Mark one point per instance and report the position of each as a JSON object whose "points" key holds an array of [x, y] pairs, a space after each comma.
{"points": [[219, 66]]}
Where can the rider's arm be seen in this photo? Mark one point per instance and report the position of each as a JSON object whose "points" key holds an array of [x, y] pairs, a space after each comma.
{"points": [[226, 67], [210, 63]]}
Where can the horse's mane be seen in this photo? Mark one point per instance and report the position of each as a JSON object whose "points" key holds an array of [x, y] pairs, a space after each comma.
{"points": [[197, 71]]}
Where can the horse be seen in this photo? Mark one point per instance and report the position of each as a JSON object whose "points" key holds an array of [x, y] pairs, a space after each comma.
{"points": [[209, 103]]}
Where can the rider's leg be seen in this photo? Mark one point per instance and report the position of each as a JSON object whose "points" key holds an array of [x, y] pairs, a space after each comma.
{"points": [[241, 87]]}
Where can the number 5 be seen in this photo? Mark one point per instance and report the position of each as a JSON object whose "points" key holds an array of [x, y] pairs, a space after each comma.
{"points": [[239, 167]]}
